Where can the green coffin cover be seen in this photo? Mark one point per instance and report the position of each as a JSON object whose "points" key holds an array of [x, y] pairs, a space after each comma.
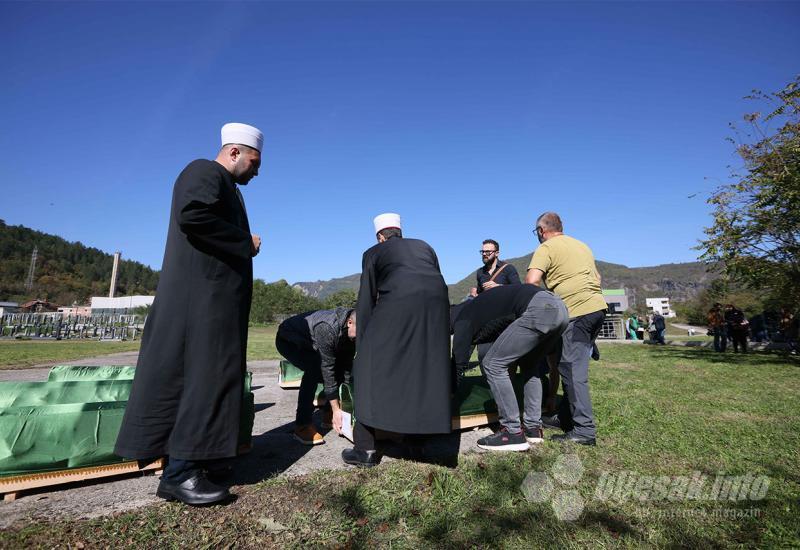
{"points": [[31, 394], [104, 372], [473, 396], [60, 424], [56, 437], [290, 373]]}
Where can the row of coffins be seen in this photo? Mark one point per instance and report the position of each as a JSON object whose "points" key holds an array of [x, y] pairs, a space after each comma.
{"points": [[72, 419], [472, 403]]}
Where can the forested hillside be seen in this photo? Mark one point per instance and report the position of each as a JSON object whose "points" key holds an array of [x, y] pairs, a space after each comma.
{"points": [[66, 272]]}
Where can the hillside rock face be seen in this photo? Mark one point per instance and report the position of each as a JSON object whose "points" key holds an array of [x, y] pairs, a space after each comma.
{"points": [[323, 289]]}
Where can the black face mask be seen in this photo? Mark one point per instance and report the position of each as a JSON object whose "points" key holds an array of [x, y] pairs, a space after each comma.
{"points": [[539, 235]]}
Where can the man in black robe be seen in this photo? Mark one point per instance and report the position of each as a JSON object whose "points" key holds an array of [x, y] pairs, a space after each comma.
{"points": [[187, 391], [401, 372]]}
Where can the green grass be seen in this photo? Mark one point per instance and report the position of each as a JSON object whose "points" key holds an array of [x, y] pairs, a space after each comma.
{"points": [[17, 354], [661, 411], [261, 343]]}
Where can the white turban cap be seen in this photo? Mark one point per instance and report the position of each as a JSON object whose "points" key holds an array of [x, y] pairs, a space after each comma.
{"points": [[386, 221], [242, 134]]}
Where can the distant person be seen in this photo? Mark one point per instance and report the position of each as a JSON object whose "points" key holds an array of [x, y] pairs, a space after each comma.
{"points": [[187, 391], [401, 373], [718, 328], [322, 345], [522, 323], [789, 328], [661, 328], [642, 322], [737, 326], [651, 329], [632, 326], [494, 271], [758, 328], [568, 268]]}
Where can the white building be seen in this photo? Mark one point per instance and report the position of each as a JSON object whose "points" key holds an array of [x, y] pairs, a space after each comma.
{"points": [[6, 308], [660, 305], [121, 304]]}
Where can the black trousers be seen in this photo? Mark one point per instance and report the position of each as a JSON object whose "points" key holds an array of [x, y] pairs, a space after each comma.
{"points": [[363, 437], [300, 352]]}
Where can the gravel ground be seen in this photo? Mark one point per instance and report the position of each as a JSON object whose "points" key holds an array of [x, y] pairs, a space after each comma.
{"points": [[275, 452]]}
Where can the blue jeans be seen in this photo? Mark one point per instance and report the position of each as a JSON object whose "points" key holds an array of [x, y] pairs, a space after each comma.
{"points": [[536, 329]]}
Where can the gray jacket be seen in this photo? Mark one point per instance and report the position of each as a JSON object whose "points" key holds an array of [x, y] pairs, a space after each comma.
{"points": [[329, 338]]}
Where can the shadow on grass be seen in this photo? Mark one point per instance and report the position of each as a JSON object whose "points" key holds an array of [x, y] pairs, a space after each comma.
{"points": [[753, 358], [481, 506]]}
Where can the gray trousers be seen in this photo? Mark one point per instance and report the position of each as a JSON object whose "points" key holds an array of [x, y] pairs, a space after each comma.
{"points": [[539, 327], [576, 349]]}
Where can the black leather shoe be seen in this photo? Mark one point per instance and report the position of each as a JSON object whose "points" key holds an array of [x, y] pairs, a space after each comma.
{"points": [[570, 436], [551, 422], [365, 459], [196, 490]]}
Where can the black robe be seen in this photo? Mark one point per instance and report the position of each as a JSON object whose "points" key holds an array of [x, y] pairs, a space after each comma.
{"points": [[401, 372], [187, 390]]}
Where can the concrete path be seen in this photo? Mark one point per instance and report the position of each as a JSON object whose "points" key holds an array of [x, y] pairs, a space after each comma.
{"points": [[275, 452]]}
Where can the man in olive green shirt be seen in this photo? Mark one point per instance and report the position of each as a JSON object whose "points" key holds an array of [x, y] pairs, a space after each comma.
{"points": [[567, 267]]}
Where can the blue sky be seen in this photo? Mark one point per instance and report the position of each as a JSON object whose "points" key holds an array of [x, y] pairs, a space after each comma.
{"points": [[469, 119]]}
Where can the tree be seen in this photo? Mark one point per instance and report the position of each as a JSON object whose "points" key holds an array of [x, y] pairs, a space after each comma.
{"points": [[342, 298], [755, 236], [278, 298]]}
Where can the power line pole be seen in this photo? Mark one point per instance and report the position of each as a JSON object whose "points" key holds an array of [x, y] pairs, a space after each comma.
{"points": [[29, 281]]}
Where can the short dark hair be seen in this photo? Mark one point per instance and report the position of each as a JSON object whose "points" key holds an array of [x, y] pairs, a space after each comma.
{"points": [[494, 242], [390, 232], [550, 221]]}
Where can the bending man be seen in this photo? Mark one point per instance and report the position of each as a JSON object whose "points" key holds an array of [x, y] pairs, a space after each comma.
{"points": [[525, 322], [322, 345]]}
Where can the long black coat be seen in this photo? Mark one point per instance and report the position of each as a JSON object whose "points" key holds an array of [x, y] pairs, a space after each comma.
{"points": [[188, 386], [402, 366]]}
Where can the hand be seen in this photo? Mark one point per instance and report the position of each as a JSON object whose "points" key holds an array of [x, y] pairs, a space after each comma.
{"points": [[255, 245], [473, 291], [489, 284], [337, 421]]}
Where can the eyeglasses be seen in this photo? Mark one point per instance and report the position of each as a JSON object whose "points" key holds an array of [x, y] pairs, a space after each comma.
{"points": [[487, 252], [536, 229]]}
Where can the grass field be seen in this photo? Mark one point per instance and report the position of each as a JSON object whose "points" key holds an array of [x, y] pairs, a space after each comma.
{"points": [[664, 414], [261, 343], [17, 354]]}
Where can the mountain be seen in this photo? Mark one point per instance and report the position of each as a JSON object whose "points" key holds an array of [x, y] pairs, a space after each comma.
{"points": [[323, 289], [679, 282], [66, 272]]}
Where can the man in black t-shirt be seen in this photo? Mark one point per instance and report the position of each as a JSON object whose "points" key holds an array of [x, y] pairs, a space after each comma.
{"points": [[522, 321], [494, 272]]}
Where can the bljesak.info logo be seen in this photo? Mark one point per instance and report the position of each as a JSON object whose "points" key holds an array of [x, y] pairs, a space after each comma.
{"points": [[559, 487]]}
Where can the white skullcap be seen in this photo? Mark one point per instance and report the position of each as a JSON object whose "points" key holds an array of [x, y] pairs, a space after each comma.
{"points": [[242, 134], [386, 221]]}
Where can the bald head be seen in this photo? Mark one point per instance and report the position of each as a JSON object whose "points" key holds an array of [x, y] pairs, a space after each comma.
{"points": [[548, 225], [550, 222]]}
